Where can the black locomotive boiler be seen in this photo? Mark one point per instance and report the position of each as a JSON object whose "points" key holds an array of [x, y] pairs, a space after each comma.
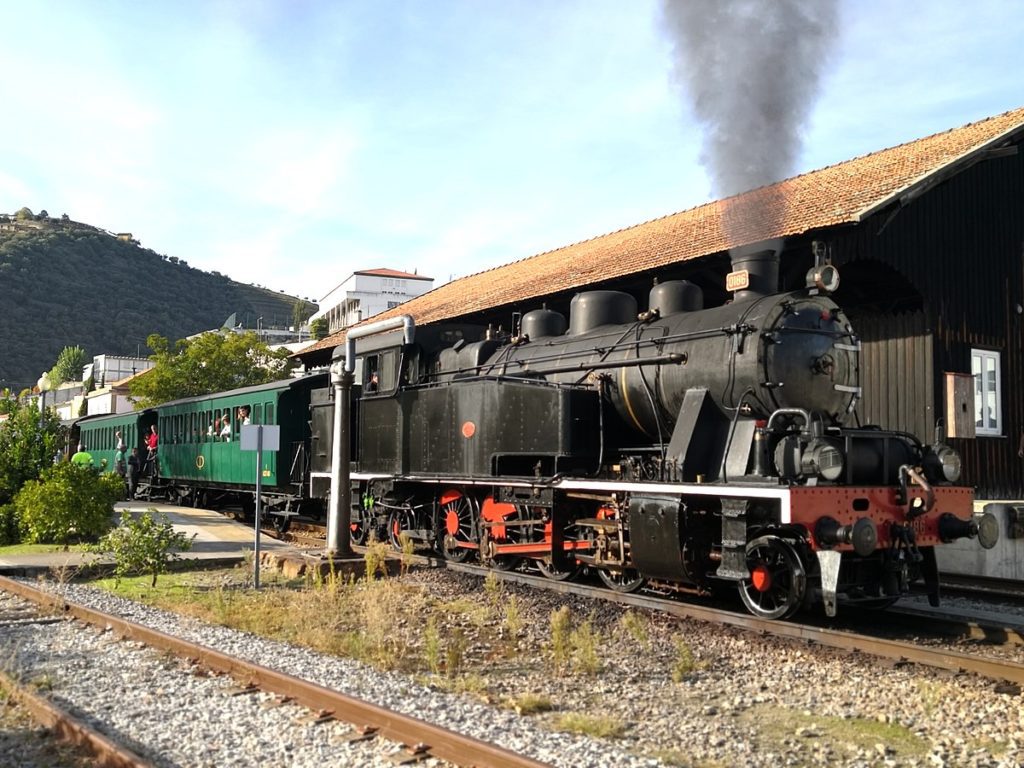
{"points": [[686, 447]]}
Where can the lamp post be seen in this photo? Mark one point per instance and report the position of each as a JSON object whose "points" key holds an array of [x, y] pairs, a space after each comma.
{"points": [[44, 387]]}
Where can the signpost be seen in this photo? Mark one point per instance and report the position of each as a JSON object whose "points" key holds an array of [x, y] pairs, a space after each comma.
{"points": [[259, 438]]}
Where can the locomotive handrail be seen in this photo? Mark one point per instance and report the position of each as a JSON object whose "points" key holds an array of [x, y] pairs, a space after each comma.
{"points": [[906, 473], [674, 357]]}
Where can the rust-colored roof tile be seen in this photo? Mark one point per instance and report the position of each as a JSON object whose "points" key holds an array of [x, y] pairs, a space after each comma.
{"points": [[838, 194]]}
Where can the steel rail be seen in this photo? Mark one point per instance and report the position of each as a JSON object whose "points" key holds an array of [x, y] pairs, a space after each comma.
{"points": [[71, 729], [993, 669], [421, 736]]}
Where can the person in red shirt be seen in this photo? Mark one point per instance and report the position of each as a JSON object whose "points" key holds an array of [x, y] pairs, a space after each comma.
{"points": [[151, 443]]}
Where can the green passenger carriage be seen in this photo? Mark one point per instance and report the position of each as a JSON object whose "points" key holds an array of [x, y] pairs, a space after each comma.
{"points": [[199, 456], [99, 434]]}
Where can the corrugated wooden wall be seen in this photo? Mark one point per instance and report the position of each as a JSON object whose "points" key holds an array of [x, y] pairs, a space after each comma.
{"points": [[961, 246], [896, 373]]}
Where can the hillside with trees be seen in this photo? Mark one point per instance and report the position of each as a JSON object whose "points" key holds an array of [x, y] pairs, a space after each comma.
{"points": [[64, 283]]}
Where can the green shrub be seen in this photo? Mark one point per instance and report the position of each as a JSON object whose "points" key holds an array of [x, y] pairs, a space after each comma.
{"points": [[561, 637], [142, 545], [8, 525], [68, 503]]}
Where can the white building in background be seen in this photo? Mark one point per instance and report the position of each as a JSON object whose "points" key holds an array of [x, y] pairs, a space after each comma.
{"points": [[107, 369], [111, 376], [368, 292]]}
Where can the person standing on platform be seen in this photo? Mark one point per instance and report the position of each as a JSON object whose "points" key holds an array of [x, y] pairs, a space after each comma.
{"points": [[82, 456], [134, 470], [120, 466]]}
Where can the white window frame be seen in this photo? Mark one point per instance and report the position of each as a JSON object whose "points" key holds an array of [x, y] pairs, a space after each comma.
{"points": [[988, 400]]}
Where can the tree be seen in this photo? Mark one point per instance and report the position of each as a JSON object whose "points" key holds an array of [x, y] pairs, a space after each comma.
{"points": [[142, 545], [68, 367], [211, 362], [8, 402], [319, 328], [67, 502], [300, 311], [24, 214], [28, 444]]}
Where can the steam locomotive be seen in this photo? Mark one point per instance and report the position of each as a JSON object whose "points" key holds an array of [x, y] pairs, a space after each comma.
{"points": [[683, 447]]}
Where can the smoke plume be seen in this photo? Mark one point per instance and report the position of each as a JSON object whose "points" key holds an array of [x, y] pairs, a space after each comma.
{"points": [[751, 69]]}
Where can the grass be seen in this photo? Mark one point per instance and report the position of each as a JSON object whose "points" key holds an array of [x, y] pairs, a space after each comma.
{"points": [[843, 735], [684, 664], [636, 627], [530, 704], [33, 549], [599, 726]]}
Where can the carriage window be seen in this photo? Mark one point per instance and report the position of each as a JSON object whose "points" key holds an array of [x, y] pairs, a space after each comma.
{"points": [[988, 416], [225, 425], [270, 413], [257, 414]]}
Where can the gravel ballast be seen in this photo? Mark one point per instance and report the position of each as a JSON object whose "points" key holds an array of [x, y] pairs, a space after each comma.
{"points": [[684, 694]]}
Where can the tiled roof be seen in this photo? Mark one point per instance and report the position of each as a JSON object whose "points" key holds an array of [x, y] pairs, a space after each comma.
{"points": [[844, 193]]}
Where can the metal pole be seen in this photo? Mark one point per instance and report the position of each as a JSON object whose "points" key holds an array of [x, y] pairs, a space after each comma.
{"points": [[339, 517], [345, 459], [42, 409], [259, 484]]}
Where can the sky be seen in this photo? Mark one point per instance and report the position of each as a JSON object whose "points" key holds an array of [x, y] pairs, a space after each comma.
{"points": [[289, 143]]}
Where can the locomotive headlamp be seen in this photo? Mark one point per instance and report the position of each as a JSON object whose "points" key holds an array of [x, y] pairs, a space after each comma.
{"points": [[796, 457], [822, 459], [824, 278], [942, 464]]}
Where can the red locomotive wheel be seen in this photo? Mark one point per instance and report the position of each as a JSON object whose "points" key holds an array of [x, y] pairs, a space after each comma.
{"points": [[399, 520], [459, 521]]}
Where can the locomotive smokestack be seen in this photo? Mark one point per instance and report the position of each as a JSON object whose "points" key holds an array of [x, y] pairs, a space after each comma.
{"points": [[755, 271]]}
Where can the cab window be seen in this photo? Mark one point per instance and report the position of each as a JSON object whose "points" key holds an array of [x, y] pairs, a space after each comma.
{"points": [[380, 372]]}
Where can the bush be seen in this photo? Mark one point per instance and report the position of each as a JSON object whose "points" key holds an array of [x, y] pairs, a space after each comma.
{"points": [[142, 545], [68, 503], [8, 525]]}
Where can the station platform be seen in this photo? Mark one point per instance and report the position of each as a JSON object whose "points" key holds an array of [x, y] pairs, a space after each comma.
{"points": [[217, 542]]}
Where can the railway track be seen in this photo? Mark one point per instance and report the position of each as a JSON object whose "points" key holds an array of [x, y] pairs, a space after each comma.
{"points": [[843, 633], [414, 739], [1001, 670]]}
